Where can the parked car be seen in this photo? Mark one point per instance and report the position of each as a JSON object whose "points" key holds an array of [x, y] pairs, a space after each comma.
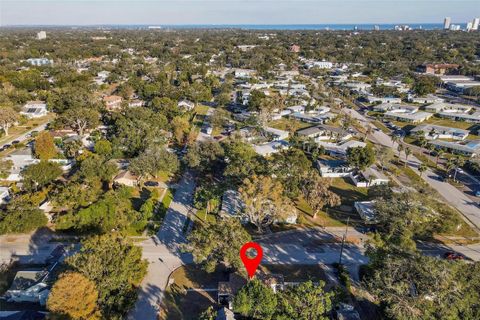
{"points": [[14, 142], [477, 193], [450, 255], [56, 254]]}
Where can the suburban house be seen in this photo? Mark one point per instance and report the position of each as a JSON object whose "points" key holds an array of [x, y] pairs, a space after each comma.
{"points": [[368, 178], [295, 109], [374, 99], [333, 168], [470, 148], [356, 86], [227, 290], [437, 69], [395, 107], [424, 100], [186, 105], [272, 147], [460, 116], [232, 204], [340, 149], [411, 117], [324, 133], [112, 102], [459, 83], [276, 134], [439, 107], [366, 210], [34, 109], [136, 103], [4, 194], [126, 178], [432, 132], [244, 73], [312, 117], [39, 61], [29, 286], [21, 159]]}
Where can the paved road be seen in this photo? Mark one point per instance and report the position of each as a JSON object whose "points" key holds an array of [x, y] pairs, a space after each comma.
{"points": [[452, 195], [313, 246], [163, 250], [25, 135]]}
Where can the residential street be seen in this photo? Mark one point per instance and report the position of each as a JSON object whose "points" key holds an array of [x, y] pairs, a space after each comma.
{"points": [[456, 198], [163, 252], [25, 135]]}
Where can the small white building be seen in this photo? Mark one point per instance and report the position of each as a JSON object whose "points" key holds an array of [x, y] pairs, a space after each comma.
{"points": [[366, 210], [4, 194], [374, 99], [432, 132], [41, 35], [369, 177], [186, 105], [277, 134], [38, 62]]}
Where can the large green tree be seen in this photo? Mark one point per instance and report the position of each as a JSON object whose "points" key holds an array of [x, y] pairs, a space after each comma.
{"points": [[37, 176], [255, 301], [218, 244]]}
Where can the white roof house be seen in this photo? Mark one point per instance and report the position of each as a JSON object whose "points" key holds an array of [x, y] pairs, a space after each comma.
{"points": [[4, 194], [414, 117], [295, 109], [270, 148], [448, 108], [34, 109], [366, 210], [373, 99], [334, 168], [460, 116], [232, 204], [469, 148], [432, 132], [277, 134], [186, 105], [369, 177], [427, 99], [325, 132], [340, 149]]}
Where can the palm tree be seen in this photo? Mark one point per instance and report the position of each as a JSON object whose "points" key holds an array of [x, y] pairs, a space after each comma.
{"points": [[422, 168], [458, 162], [440, 153], [408, 152], [400, 149], [395, 138]]}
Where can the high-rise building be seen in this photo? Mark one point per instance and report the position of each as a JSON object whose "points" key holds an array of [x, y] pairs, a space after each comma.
{"points": [[41, 35], [469, 26], [476, 23], [446, 23]]}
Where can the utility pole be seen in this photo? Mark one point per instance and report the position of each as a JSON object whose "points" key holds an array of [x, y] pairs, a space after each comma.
{"points": [[343, 241]]}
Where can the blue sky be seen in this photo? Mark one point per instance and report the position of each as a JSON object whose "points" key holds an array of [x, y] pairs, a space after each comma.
{"points": [[86, 12]]}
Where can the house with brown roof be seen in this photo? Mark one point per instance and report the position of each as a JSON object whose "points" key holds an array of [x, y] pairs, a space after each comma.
{"points": [[112, 102]]}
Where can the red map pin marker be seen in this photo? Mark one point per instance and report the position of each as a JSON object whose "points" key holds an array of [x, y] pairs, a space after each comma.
{"points": [[251, 264]]}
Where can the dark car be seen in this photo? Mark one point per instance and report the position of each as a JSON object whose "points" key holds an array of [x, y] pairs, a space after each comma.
{"points": [[7, 146], [450, 255], [56, 254], [14, 142]]}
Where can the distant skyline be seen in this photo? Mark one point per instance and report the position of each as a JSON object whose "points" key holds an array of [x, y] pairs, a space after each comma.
{"points": [[231, 12]]}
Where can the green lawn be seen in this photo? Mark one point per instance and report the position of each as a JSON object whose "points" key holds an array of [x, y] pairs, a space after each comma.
{"points": [[30, 124], [337, 216], [285, 124], [450, 123]]}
